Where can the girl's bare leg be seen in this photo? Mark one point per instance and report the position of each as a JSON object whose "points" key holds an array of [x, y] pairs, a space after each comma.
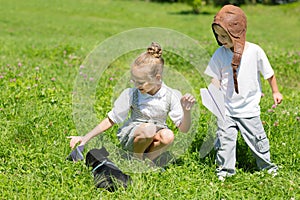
{"points": [[143, 137], [161, 141]]}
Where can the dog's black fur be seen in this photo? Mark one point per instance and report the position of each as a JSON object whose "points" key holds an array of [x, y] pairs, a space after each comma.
{"points": [[108, 175]]}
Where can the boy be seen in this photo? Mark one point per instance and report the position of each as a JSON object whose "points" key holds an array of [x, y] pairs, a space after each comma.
{"points": [[236, 67]]}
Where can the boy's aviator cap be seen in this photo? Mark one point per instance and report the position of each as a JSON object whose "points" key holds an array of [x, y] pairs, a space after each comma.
{"points": [[233, 20]]}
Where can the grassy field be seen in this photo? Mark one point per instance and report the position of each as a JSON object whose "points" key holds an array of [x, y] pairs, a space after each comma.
{"points": [[43, 45]]}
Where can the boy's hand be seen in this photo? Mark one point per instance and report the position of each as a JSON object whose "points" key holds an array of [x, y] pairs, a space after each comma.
{"points": [[187, 101], [276, 94], [75, 140], [277, 97]]}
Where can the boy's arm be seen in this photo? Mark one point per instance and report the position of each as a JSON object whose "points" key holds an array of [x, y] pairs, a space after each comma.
{"points": [[276, 94]]}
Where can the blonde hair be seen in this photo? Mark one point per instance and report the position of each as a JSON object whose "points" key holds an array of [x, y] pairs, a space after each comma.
{"points": [[151, 59]]}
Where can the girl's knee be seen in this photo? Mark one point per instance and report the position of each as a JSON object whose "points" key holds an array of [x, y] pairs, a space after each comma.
{"points": [[146, 131], [166, 136]]}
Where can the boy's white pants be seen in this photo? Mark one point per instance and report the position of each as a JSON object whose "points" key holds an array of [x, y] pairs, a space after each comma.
{"points": [[253, 134]]}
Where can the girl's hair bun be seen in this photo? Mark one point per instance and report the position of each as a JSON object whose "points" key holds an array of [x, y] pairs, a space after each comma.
{"points": [[155, 50]]}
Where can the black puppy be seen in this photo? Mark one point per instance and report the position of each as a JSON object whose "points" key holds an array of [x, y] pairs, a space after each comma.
{"points": [[106, 174]]}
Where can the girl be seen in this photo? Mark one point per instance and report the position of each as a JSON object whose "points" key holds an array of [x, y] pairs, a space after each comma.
{"points": [[149, 103]]}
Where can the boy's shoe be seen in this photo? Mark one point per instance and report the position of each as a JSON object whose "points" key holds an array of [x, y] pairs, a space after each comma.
{"points": [[221, 178], [223, 173], [76, 154]]}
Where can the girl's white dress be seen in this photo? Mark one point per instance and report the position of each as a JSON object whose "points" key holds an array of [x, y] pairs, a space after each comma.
{"points": [[140, 108]]}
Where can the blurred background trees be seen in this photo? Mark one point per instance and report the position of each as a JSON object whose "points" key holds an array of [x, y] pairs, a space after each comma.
{"points": [[196, 5]]}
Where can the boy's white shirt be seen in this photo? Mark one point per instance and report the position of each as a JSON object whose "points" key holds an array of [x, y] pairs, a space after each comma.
{"points": [[253, 63], [150, 105]]}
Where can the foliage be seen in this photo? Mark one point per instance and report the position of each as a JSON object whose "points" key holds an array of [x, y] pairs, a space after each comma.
{"points": [[225, 2], [195, 4]]}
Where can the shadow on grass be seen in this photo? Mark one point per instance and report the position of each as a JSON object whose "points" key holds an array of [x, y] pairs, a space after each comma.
{"points": [[190, 12], [244, 157]]}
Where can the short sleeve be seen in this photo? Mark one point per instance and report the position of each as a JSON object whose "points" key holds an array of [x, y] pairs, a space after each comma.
{"points": [[121, 106], [264, 65], [176, 112]]}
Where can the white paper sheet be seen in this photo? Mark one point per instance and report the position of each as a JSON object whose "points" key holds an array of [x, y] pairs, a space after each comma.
{"points": [[213, 100]]}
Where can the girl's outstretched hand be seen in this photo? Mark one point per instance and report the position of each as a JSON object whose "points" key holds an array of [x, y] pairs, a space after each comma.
{"points": [[187, 101], [75, 140]]}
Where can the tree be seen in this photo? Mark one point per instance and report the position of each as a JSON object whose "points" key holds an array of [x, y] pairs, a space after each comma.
{"points": [[196, 5]]}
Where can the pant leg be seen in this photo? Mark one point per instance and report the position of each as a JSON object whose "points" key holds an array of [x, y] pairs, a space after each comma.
{"points": [[226, 146], [255, 137]]}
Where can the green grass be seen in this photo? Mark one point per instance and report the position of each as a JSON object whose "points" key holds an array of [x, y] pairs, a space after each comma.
{"points": [[43, 43]]}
